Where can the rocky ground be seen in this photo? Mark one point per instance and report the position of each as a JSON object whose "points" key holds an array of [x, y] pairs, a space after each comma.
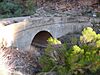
{"points": [[20, 62], [67, 7]]}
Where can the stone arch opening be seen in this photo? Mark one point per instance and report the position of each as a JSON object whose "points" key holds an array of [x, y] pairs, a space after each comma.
{"points": [[40, 39]]}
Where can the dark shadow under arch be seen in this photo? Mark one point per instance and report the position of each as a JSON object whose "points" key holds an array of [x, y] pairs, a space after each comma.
{"points": [[41, 38]]}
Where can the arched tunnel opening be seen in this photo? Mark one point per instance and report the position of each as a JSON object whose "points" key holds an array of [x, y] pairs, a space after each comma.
{"points": [[41, 38], [39, 42]]}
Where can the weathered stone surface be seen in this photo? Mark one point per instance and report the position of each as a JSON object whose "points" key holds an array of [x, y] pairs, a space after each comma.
{"points": [[9, 21], [24, 32]]}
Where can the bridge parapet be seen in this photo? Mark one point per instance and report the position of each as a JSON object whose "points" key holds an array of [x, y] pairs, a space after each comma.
{"points": [[23, 32]]}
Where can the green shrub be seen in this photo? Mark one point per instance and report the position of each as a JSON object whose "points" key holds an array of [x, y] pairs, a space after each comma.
{"points": [[77, 60], [10, 8], [98, 14]]}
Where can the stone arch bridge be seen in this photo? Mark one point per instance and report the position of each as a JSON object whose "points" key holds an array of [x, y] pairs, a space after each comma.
{"points": [[37, 30]]}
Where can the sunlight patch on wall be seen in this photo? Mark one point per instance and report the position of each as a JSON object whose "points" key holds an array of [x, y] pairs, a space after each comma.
{"points": [[6, 36]]}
